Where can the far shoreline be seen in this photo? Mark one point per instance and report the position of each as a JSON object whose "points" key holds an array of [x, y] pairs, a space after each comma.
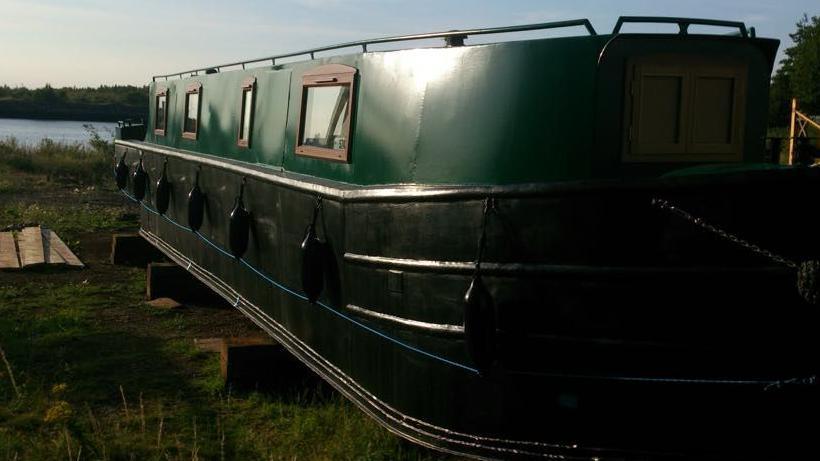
{"points": [[81, 117], [81, 120]]}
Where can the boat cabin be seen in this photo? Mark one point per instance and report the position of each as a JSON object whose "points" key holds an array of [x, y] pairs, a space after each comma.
{"points": [[582, 107]]}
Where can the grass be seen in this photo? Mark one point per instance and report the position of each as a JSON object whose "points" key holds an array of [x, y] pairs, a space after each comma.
{"points": [[67, 163], [68, 221], [65, 187], [89, 372], [91, 390]]}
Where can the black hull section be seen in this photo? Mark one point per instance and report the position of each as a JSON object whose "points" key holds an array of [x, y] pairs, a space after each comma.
{"points": [[621, 326]]}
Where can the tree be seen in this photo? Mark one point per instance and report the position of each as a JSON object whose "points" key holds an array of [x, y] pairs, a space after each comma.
{"points": [[46, 94], [799, 73]]}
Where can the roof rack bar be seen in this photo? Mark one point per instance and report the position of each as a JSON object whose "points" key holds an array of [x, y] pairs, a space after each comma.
{"points": [[401, 38], [683, 23]]}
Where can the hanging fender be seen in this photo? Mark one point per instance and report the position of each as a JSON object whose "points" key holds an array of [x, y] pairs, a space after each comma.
{"points": [[479, 324], [239, 225], [140, 181], [479, 309], [312, 260], [121, 173], [808, 281], [163, 196], [196, 205]]}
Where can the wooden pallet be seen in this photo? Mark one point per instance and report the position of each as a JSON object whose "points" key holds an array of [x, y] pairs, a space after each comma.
{"points": [[32, 247]]}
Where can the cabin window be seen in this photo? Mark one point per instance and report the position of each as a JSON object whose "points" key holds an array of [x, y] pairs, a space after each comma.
{"points": [[190, 126], [683, 109], [326, 111], [246, 112], [160, 111]]}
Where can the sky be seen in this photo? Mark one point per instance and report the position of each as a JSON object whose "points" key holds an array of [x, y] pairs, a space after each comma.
{"points": [[94, 42]]}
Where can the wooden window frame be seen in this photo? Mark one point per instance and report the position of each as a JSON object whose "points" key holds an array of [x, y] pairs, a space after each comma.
{"points": [[249, 84], [322, 76], [160, 93], [193, 88], [689, 68]]}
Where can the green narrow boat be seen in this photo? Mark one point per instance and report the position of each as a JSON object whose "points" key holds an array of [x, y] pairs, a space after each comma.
{"points": [[572, 246]]}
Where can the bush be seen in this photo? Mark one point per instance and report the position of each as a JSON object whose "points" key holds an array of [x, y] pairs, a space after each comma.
{"points": [[69, 163]]}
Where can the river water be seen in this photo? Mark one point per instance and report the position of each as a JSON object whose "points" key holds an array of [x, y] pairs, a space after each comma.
{"points": [[31, 132]]}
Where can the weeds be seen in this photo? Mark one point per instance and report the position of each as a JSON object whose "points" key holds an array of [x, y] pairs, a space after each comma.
{"points": [[98, 390], [65, 163], [97, 376], [125, 404], [11, 374], [68, 220]]}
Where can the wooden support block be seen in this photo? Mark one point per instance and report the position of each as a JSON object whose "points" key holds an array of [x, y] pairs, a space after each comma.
{"points": [[50, 252], [30, 244], [59, 251], [258, 361], [164, 303], [249, 362], [133, 250], [8, 251], [210, 344], [168, 280]]}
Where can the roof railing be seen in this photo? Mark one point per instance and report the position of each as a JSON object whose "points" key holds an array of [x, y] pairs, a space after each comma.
{"points": [[452, 38], [683, 23]]}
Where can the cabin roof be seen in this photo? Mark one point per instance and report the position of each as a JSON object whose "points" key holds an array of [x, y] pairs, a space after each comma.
{"points": [[456, 38]]}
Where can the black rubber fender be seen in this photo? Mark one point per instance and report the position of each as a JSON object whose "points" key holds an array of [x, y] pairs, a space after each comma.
{"points": [[139, 182], [239, 225], [196, 206], [480, 324], [163, 195], [121, 173], [313, 274]]}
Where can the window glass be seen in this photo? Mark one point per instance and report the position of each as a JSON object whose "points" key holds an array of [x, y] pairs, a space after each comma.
{"points": [[161, 110], [324, 116], [326, 110], [245, 122], [191, 113]]}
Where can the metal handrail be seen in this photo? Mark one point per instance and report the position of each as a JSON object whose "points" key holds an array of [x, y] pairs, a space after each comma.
{"points": [[683, 23], [455, 34]]}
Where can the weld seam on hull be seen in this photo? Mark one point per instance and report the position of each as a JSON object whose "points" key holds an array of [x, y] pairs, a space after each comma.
{"points": [[518, 269], [436, 328]]}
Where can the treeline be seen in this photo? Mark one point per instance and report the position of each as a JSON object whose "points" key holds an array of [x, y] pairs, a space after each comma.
{"points": [[798, 75], [104, 103]]}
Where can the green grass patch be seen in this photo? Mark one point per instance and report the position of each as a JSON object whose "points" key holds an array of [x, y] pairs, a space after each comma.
{"points": [[68, 220], [102, 376], [66, 163], [6, 186], [98, 375], [65, 187]]}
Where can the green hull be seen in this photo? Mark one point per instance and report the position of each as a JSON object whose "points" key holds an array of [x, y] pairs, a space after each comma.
{"points": [[598, 292]]}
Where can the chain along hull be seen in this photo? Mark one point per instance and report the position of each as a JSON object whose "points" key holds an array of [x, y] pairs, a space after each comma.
{"points": [[607, 317]]}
